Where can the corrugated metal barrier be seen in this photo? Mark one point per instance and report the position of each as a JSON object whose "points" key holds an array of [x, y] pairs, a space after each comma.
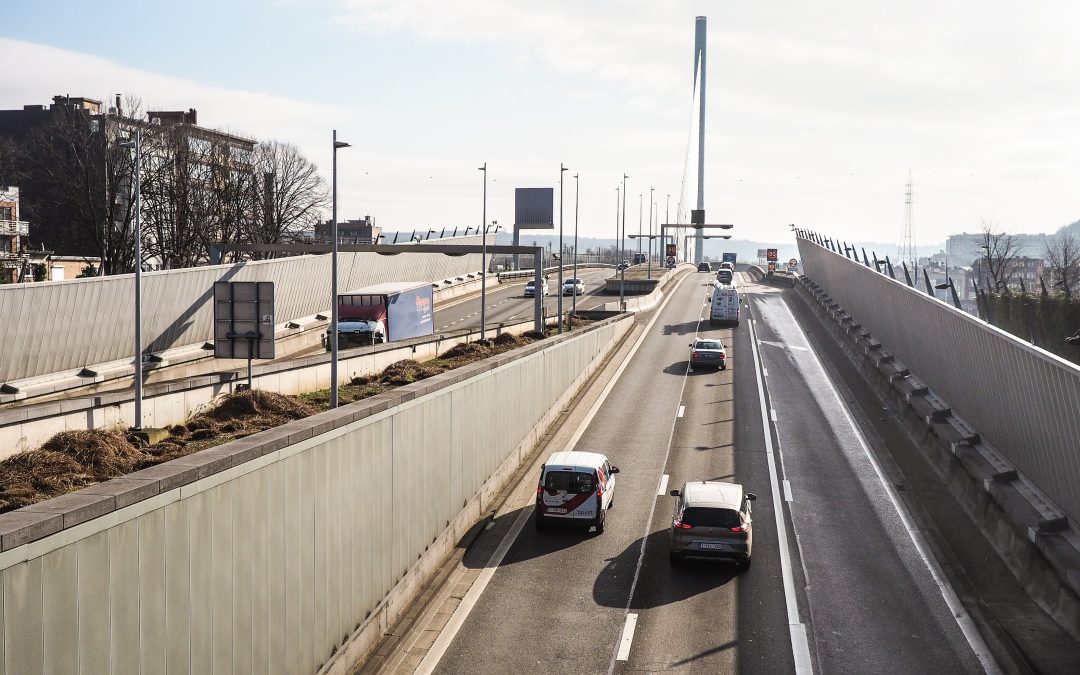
{"points": [[1024, 400], [67, 325]]}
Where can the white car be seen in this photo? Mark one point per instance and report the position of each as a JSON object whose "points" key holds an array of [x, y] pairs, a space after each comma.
{"points": [[573, 287], [575, 488], [530, 288]]}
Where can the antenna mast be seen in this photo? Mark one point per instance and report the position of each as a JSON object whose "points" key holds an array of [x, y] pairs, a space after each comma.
{"points": [[906, 250]]}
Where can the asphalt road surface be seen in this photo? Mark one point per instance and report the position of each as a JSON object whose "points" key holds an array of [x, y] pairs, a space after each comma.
{"points": [[836, 581], [506, 303]]}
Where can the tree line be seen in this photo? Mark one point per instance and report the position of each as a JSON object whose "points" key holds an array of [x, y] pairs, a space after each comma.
{"points": [[199, 189]]}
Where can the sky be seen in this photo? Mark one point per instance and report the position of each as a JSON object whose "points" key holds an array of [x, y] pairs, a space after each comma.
{"points": [[815, 112]]}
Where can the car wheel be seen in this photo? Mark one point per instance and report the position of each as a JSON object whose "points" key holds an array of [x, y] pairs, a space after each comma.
{"points": [[600, 524], [745, 564], [675, 558], [723, 367], [539, 522]]}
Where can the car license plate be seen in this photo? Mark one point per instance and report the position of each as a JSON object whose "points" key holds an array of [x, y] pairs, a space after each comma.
{"points": [[717, 547], [556, 509]]}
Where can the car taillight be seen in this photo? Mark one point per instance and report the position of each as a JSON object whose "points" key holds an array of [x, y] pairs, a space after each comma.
{"points": [[681, 525], [539, 492], [695, 355], [738, 529]]}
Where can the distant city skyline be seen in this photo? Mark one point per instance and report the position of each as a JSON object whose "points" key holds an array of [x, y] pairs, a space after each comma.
{"points": [[816, 113]]}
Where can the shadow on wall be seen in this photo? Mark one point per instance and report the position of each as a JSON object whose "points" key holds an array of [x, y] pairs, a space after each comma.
{"points": [[168, 337]]}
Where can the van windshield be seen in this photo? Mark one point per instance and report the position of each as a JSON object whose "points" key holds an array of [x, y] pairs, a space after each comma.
{"points": [[706, 517], [574, 482]]}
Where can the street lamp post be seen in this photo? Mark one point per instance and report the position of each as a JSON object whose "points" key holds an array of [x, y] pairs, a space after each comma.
{"points": [[615, 245], [334, 278], [573, 302], [650, 230], [639, 221], [138, 276], [562, 170], [622, 272], [483, 261]]}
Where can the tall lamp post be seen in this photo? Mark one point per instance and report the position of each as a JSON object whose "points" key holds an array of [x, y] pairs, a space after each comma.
{"points": [[615, 246], [138, 275], [483, 260], [573, 302], [622, 272], [650, 230], [334, 278], [639, 221], [562, 170]]}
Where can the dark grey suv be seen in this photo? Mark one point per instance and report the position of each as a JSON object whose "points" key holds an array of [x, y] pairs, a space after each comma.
{"points": [[712, 520]]}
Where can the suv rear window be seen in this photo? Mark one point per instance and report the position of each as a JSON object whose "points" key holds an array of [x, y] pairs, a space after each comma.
{"points": [[574, 482], [707, 517]]}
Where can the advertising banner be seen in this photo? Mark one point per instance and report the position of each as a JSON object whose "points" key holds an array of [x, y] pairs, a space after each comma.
{"points": [[534, 208], [410, 313]]}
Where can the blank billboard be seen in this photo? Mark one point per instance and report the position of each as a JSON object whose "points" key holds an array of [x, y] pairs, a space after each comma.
{"points": [[534, 208]]}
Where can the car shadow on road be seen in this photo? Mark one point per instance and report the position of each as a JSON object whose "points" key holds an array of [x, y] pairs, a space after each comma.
{"points": [[532, 544], [685, 328], [661, 582]]}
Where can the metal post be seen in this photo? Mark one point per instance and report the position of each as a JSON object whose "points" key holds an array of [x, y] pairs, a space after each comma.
{"points": [[622, 272], [538, 293], [650, 230], [562, 170], [334, 278], [138, 281], [573, 301], [639, 220], [615, 245], [483, 261]]}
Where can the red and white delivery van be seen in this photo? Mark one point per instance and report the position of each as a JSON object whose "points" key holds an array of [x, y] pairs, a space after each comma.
{"points": [[575, 487]]}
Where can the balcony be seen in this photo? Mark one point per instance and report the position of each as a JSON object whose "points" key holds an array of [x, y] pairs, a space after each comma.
{"points": [[14, 228]]}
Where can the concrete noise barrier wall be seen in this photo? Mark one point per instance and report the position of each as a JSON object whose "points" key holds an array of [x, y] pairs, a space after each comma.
{"points": [[275, 552], [67, 325], [1024, 400]]}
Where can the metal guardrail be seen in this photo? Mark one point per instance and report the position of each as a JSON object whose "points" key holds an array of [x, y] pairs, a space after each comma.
{"points": [[1022, 399], [521, 274]]}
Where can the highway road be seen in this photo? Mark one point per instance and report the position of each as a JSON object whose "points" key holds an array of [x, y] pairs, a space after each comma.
{"points": [[507, 303], [836, 585]]}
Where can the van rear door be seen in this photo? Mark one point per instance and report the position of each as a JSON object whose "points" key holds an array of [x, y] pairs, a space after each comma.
{"points": [[569, 493]]}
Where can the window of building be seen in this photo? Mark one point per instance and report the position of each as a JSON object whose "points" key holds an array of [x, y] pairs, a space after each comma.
{"points": [[6, 213]]}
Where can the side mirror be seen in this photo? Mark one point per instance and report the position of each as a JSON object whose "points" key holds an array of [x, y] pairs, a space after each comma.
{"points": [[674, 493], [751, 496], [614, 469], [689, 345]]}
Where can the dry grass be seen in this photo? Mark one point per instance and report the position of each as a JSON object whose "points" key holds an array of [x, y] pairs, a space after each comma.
{"points": [[75, 459]]}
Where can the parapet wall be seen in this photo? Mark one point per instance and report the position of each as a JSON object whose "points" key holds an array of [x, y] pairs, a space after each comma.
{"points": [[275, 552]]}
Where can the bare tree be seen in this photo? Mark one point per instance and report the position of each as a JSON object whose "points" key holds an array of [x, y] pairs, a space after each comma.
{"points": [[292, 194], [1000, 254], [82, 182], [1063, 259]]}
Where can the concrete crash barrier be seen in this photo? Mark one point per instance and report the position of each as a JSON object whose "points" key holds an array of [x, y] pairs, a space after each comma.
{"points": [[1034, 537], [91, 321], [28, 426], [643, 303], [290, 550]]}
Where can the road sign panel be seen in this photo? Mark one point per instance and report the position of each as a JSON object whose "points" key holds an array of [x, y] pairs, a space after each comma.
{"points": [[770, 254]]}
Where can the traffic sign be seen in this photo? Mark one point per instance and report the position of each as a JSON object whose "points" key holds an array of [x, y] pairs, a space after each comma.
{"points": [[671, 261], [770, 254], [793, 263]]}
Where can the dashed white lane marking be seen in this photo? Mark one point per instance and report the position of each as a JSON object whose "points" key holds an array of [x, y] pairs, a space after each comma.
{"points": [[682, 410], [662, 489], [787, 492], [627, 637], [772, 414], [765, 372]]}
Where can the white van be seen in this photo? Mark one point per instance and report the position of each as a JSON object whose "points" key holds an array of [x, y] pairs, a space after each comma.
{"points": [[725, 306], [575, 487]]}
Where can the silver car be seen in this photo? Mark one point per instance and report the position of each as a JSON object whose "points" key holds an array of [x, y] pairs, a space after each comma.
{"points": [[708, 352], [712, 520]]}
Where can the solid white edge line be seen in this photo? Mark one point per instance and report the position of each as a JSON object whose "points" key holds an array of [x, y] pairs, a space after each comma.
{"points": [[627, 639], [800, 650], [952, 601], [450, 631], [682, 410], [661, 490], [787, 491]]}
